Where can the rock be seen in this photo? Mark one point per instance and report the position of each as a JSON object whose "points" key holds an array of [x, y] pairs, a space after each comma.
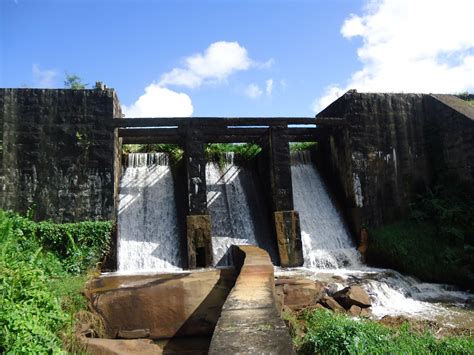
{"points": [[113, 347], [133, 334], [332, 304], [299, 293], [353, 295], [165, 305], [365, 312], [355, 310], [279, 298]]}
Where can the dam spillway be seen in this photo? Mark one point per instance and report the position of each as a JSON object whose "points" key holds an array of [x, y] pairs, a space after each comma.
{"points": [[238, 212], [148, 235], [325, 238]]}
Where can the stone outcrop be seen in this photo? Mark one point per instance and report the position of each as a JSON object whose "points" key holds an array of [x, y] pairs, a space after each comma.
{"points": [[390, 147], [298, 293], [161, 306], [195, 346], [96, 346], [332, 304], [250, 322], [353, 296], [58, 153]]}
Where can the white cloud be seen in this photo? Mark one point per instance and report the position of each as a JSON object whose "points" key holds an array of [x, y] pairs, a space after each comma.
{"points": [[269, 87], [411, 46], [44, 78], [158, 101], [219, 61], [253, 91], [216, 64]]}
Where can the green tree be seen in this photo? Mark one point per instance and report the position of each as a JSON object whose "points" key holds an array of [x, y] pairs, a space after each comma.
{"points": [[73, 82]]}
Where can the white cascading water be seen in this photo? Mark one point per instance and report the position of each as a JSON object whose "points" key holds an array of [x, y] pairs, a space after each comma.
{"points": [[228, 207], [328, 251], [148, 234], [326, 242]]}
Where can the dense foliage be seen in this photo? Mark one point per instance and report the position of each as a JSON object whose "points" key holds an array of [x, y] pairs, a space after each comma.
{"points": [[214, 151], [301, 146], [174, 151], [40, 278], [437, 242], [244, 152], [323, 332]]}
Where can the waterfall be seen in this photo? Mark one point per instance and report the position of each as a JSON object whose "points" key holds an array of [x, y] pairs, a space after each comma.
{"points": [[329, 251], [148, 234], [326, 241], [238, 214]]}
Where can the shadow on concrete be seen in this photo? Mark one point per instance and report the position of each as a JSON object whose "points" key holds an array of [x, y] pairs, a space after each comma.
{"points": [[203, 320]]}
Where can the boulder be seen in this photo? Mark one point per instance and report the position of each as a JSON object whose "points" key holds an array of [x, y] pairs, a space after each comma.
{"points": [[353, 295], [114, 347], [332, 304], [365, 312], [354, 310], [133, 334], [299, 293], [160, 306]]}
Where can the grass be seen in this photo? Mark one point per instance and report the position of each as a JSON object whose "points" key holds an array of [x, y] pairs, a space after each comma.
{"points": [[324, 332], [42, 270], [414, 248]]}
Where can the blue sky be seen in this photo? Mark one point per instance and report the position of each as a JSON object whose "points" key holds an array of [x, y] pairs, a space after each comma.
{"points": [[238, 58]]}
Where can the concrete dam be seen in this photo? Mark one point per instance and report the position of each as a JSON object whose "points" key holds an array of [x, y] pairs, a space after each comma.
{"points": [[199, 242]]}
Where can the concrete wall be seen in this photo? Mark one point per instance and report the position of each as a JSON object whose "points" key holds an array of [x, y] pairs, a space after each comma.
{"points": [[58, 153], [392, 147]]}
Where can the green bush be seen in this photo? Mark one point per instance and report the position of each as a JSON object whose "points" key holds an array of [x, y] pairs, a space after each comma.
{"points": [[437, 243], [327, 333], [39, 279]]}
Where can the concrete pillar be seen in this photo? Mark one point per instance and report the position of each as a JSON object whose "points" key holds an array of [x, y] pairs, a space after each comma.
{"points": [[288, 233], [198, 221], [287, 223], [198, 231]]}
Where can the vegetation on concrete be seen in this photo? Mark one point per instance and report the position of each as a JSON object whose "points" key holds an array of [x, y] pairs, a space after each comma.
{"points": [[214, 151], [174, 151], [323, 332], [217, 151], [42, 270], [301, 146], [437, 243]]}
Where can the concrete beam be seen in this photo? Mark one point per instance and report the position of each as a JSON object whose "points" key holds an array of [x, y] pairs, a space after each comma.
{"points": [[211, 121]]}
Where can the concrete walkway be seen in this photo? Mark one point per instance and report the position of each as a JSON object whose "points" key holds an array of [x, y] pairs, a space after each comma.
{"points": [[250, 322]]}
